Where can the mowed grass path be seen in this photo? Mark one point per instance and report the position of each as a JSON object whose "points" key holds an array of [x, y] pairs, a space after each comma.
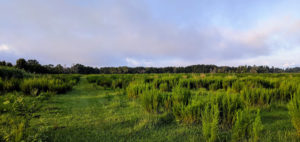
{"points": [[89, 113]]}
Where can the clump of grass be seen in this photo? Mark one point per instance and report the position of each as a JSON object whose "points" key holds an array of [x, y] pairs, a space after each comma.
{"points": [[247, 127], [152, 100], [11, 72], [136, 88], [12, 84], [294, 111], [164, 87], [1, 85], [241, 129], [257, 127], [181, 96], [210, 122], [34, 86]]}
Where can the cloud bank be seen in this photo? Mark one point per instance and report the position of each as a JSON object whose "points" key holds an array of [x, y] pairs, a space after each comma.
{"points": [[143, 33]]}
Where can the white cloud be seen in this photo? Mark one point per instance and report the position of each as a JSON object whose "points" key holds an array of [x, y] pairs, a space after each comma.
{"points": [[135, 63], [4, 48]]}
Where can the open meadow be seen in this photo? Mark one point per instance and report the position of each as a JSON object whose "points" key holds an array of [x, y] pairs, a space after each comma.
{"points": [[149, 107]]}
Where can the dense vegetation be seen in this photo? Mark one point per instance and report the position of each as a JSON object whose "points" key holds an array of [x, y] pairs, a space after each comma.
{"points": [[34, 66], [149, 107], [224, 106], [21, 95]]}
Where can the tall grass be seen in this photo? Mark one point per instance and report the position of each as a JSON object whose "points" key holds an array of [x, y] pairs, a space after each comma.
{"points": [[247, 127], [34, 86], [210, 122], [136, 88], [10, 72], [294, 111]]}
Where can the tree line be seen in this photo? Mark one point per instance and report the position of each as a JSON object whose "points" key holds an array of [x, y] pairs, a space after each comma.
{"points": [[34, 66]]}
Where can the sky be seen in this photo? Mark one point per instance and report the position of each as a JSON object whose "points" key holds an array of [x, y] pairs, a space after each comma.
{"points": [[152, 33]]}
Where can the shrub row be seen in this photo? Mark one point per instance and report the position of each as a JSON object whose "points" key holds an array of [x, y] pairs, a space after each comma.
{"points": [[10, 72], [36, 85]]}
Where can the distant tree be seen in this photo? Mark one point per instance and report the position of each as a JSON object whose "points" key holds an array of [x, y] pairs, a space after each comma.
{"points": [[34, 66], [9, 64], [2, 63], [253, 69], [21, 63], [59, 68]]}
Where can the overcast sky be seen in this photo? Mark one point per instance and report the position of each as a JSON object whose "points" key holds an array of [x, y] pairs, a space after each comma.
{"points": [[151, 32]]}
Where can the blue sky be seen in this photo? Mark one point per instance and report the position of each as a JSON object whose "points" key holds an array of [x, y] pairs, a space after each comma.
{"points": [[151, 32]]}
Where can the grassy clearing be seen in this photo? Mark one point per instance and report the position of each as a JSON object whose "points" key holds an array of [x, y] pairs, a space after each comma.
{"points": [[88, 113], [91, 114], [154, 107]]}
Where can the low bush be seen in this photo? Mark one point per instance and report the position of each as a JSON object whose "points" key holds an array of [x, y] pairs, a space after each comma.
{"points": [[1, 86], [136, 88], [294, 111], [12, 84], [152, 100], [210, 122], [11, 72], [34, 86], [181, 96], [247, 127]]}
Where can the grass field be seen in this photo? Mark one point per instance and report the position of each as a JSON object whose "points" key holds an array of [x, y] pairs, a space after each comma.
{"points": [[102, 108], [91, 114]]}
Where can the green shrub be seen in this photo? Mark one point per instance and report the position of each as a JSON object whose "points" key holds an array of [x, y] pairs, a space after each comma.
{"points": [[14, 128], [242, 127], [216, 85], [247, 127], [257, 128], [11, 72], [287, 89], [164, 87], [12, 84], [181, 96], [238, 86], [152, 100], [34, 86], [228, 105], [210, 122], [294, 111], [1, 85], [136, 88]]}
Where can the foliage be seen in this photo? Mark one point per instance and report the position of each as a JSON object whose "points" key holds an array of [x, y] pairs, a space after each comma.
{"points": [[10, 72], [34, 86], [210, 122], [294, 111], [247, 126]]}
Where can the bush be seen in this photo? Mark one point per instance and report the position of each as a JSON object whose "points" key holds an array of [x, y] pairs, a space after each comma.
{"points": [[34, 86], [247, 127], [242, 127], [11, 72], [294, 111], [257, 128], [164, 87], [181, 96], [210, 122], [1, 85], [12, 84], [152, 100], [192, 112], [136, 88]]}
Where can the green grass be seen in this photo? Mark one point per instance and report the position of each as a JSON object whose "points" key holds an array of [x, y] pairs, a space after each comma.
{"points": [[90, 112]]}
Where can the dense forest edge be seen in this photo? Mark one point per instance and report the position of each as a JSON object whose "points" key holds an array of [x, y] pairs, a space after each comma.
{"points": [[33, 66]]}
